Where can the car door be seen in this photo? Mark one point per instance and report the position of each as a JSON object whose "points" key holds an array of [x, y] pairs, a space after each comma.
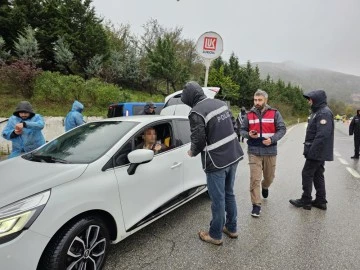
{"points": [[146, 193], [194, 175]]}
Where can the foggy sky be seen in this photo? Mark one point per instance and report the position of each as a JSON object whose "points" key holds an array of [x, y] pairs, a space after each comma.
{"points": [[316, 33]]}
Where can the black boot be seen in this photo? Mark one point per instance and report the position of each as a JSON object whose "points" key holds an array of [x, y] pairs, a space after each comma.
{"points": [[355, 157], [319, 205], [301, 203]]}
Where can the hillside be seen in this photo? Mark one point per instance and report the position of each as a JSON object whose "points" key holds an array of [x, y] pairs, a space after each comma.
{"points": [[338, 85]]}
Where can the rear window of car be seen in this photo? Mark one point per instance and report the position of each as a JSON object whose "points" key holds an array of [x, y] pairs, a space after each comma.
{"points": [[173, 101], [84, 144]]}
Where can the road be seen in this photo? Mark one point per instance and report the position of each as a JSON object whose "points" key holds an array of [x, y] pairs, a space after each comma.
{"points": [[284, 237]]}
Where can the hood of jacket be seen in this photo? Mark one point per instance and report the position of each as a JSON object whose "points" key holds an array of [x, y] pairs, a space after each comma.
{"points": [[318, 98], [77, 106], [148, 106], [192, 94], [24, 106]]}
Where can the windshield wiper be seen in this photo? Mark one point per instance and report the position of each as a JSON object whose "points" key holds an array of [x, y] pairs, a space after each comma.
{"points": [[48, 159]]}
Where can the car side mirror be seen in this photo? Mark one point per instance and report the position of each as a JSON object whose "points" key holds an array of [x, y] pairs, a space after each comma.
{"points": [[137, 157]]}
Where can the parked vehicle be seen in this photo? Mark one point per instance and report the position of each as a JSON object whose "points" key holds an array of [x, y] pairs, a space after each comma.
{"points": [[174, 105], [130, 108], [63, 204]]}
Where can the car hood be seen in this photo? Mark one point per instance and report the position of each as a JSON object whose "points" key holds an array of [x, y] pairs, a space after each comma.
{"points": [[20, 178]]}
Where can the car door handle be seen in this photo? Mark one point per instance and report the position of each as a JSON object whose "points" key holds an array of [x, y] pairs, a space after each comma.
{"points": [[176, 165]]}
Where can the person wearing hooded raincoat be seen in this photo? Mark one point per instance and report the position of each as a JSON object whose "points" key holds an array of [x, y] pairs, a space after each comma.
{"points": [[213, 136], [318, 148], [24, 130], [354, 129], [149, 109], [74, 118]]}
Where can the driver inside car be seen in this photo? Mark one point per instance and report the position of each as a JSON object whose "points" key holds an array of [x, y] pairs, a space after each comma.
{"points": [[149, 141]]}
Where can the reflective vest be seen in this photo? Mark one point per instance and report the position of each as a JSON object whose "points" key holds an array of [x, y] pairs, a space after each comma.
{"points": [[222, 147], [265, 126]]}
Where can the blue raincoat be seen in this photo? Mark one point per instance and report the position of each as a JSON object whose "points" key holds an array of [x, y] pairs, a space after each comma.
{"points": [[31, 137], [74, 118]]}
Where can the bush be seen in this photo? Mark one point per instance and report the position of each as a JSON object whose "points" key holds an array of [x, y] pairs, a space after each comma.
{"points": [[18, 78], [54, 87], [102, 94]]}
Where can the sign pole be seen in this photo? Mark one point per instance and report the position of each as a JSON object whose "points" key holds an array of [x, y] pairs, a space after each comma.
{"points": [[207, 63]]}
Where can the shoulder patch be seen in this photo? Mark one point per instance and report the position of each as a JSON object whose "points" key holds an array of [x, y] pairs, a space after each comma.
{"points": [[323, 121]]}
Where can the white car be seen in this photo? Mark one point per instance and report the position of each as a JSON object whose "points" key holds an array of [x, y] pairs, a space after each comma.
{"points": [[64, 203]]}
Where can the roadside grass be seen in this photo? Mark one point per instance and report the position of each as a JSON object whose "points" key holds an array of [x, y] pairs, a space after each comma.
{"points": [[8, 104]]}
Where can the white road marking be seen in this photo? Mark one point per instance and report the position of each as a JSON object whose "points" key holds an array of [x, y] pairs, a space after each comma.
{"points": [[343, 161], [353, 172]]}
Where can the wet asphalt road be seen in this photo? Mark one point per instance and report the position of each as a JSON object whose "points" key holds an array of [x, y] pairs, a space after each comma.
{"points": [[284, 237]]}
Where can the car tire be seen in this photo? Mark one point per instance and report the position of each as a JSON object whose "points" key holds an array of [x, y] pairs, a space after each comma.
{"points": [[81, 243]]}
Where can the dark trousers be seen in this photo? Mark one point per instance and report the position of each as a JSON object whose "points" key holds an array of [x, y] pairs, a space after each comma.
{"points": [[313, 173], [357, 145]]}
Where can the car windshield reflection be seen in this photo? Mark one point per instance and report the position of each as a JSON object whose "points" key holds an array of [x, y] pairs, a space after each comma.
{"points": [[84, 144]]}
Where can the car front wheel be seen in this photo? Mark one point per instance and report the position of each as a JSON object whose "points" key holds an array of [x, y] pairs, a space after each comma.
{"points": [[80, 245]]}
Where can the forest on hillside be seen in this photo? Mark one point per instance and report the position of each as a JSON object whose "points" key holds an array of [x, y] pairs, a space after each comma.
{"points": [[56, 51]]}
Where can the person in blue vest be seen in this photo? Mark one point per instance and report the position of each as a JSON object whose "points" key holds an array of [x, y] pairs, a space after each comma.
{"points": [[24, 130], [74, 118], [318, 148], [263, 126], [213, 135]]}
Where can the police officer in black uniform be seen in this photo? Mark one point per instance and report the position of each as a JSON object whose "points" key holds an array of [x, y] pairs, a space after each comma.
{"points": [[354, 129], [318, 148], [213, 135]]}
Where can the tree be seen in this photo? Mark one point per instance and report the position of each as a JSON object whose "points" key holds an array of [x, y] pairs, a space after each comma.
{"points": [[163, 63], [27, 48], [95, 66], [63, 55], [229, 89], [73, 20], [123, 64], [4, 55]]}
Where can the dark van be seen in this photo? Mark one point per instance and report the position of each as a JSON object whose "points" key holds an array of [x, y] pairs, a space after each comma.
{"points": [[130, 108]]}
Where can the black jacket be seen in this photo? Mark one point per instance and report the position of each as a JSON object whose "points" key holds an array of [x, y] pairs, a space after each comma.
{"points": [[354, 128], [202, 133], [319, 139]]}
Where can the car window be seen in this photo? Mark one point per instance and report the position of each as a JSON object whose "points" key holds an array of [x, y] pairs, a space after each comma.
{"points": [[121, 158], [137, 109], [173, 101], [164, 138], [158, 109], [183, 132], [84, 144], [115, 111]]}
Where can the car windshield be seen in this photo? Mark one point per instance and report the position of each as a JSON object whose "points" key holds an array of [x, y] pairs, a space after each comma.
{"points": [[84, 144]]}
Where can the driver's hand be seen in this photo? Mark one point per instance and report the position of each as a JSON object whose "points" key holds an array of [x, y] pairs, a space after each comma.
{"points": [[157, 147]]}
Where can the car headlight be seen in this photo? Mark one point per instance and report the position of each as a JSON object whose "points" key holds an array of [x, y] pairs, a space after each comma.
{"points": [[21, 214]]}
